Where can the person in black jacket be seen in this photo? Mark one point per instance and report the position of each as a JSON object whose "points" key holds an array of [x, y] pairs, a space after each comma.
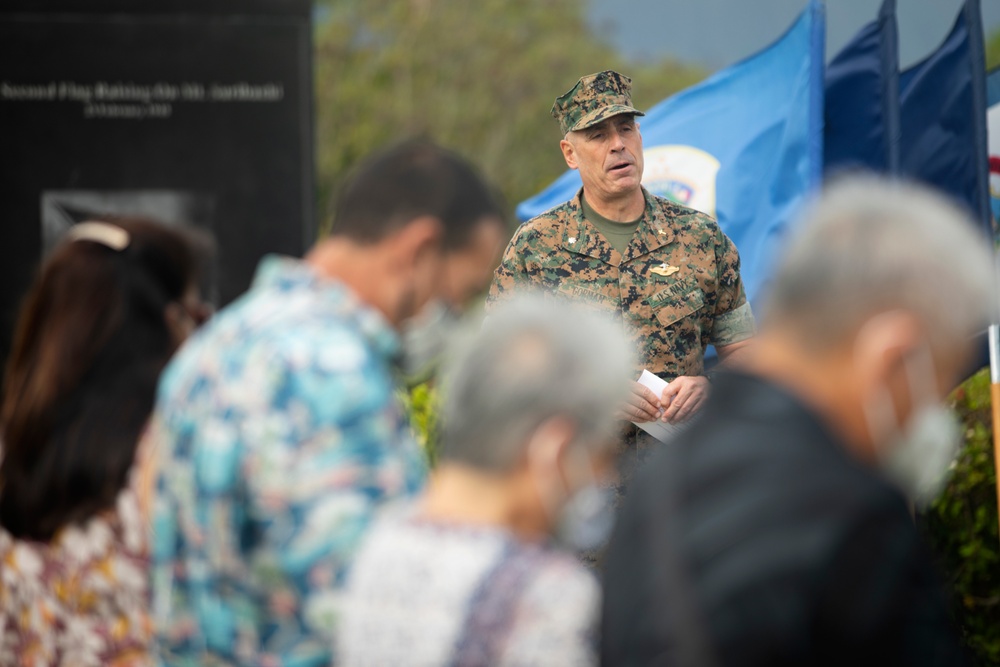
{"points": [[777, 529]]}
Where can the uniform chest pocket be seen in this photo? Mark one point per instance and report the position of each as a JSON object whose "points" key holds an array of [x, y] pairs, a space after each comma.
{"points": [[676, 302]]}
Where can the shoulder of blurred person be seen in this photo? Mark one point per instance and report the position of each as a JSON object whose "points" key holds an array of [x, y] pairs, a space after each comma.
{"points": [[759, 540], [81, 597], [426, 592], [776, 529]]}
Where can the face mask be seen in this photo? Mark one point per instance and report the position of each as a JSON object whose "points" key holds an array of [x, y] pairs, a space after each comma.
{"points": [[918, 455], [585, 520], [425, 337]]}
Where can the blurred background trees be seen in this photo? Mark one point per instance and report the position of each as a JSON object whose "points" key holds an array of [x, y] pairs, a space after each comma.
{"points": [[993, 51], [478, 77], [961, 525]]}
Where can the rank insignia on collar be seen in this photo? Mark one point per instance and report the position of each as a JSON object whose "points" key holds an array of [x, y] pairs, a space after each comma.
{"points": [[662, 232], [665, 270]]}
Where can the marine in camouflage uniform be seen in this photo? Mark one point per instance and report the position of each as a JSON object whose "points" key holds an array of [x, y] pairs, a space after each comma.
{"points": [[676, 287]]}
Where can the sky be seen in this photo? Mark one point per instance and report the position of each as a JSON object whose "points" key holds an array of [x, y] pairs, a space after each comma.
{"points": [[716, 33]]}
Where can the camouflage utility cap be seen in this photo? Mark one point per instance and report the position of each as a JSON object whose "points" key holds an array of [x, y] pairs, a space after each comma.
{"points": [[594, 98]]}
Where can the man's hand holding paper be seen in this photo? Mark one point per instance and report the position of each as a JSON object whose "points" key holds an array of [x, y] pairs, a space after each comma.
{"points": [[683, 397], [674, 402], [659, 407], [643, 405]]}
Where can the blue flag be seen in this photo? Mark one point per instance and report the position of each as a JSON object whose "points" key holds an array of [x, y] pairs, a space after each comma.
{"points": [[862, 100], [993, 87], [745, 145], [943, 116], [993, 130]]}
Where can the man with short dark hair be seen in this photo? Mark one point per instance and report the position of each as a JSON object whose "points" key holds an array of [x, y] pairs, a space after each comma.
{"points": [[278, 427], [667, 272]]}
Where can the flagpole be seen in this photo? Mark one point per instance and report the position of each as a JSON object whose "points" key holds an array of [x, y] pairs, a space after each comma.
{"points": [[994, 337], [974, 22]]}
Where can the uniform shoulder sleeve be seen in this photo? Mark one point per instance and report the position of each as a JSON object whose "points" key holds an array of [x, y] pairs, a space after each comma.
{"points": [[518, 268], [733, 320]]}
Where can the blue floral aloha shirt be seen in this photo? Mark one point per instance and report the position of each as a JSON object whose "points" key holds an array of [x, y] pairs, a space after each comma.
{"points": [[278, 433]]}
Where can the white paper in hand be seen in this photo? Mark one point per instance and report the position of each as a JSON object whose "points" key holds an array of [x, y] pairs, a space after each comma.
{"points": [[662, 431]]}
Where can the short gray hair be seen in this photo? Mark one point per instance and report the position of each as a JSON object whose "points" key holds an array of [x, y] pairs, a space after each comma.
{"points": [[870, 245], [535, 358]]}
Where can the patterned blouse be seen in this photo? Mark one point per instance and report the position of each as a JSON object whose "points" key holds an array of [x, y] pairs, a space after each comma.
{"points": [[423, 593], [80, 600]]}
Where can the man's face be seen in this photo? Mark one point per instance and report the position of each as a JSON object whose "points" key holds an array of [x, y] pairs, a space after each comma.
{"points": [[467, 272], [608, 156], [457, 276]]}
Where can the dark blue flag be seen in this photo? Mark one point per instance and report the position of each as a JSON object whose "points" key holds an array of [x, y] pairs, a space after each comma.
{"points": [[943, 116], [862, 100]]}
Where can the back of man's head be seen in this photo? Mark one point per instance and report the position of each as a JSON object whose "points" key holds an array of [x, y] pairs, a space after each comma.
{"points": [[871, 246], [535, 359], [410, 180]]}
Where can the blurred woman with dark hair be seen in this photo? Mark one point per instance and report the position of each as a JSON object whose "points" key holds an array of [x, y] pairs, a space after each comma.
{"points": [[109, 307]]}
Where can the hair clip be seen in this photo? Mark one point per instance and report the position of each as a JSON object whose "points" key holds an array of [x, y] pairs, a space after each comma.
{"points": [[104, 233]]}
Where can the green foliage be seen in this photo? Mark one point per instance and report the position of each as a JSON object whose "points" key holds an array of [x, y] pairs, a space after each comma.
{"points": [[422, 403], [961, 525], [478, 77], [993, 51]]}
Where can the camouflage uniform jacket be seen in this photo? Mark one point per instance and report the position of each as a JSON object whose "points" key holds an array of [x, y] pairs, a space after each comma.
{"points": [[670, 315]]}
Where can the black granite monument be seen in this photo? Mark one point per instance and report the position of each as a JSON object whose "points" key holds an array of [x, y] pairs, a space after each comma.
{"points": [[192, 112]]}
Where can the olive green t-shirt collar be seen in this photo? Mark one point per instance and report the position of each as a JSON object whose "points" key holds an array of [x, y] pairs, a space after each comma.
{"points": [[618, 234]]}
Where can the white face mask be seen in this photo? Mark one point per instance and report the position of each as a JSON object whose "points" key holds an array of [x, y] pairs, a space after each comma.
{"points": [[584, 520], [916, 456], [425, 338], [587, 519]]}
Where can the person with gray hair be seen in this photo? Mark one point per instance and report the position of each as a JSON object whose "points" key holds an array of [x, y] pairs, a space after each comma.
{"points": [[469, 574], [778, 532]]}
